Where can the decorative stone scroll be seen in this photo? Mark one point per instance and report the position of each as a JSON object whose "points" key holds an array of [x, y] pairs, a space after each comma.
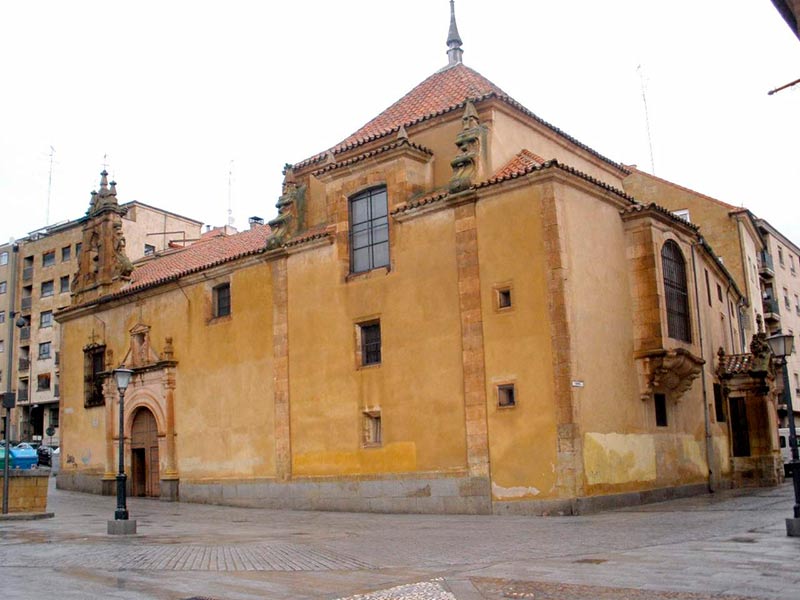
{"points": [[668, 371]]}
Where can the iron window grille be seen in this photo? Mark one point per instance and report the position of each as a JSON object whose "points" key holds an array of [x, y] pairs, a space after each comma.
{"points": [[93, 376], [369, 230], [371, 344], [677, 295], [222, 300]]}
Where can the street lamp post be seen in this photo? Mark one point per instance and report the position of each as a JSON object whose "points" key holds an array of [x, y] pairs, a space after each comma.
{"points": [[121, 525], [782, 345]]}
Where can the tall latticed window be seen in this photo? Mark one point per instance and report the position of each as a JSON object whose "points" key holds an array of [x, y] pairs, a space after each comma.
{"points": [[93, 378], [369, 230], [679, 325]]}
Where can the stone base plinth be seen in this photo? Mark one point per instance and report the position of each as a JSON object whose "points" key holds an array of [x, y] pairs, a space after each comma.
{"points": [[793, 527], [122, 527], [27, 490], [169, 490]]}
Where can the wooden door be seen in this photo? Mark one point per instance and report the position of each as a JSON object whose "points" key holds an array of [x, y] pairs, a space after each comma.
{"points": [[144, 448]]}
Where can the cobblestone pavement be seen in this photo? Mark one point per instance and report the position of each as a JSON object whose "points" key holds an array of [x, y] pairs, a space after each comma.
{"points": [[729, 545]]}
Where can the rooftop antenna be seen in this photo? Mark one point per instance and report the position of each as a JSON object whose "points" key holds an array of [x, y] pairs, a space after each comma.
{"points": [[646, 117], [230, 204], [49, 187]]}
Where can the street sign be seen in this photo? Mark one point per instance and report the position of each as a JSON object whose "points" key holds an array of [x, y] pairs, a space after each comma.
{"points": [[9, 399], [50, 431]]}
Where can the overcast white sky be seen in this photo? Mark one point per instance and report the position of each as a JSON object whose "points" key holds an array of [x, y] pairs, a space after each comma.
{"points": [[172, 92]]}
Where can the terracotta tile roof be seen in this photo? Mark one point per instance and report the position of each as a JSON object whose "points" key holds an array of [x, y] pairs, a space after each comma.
{"points": [[443, 92], [639, 207], [520, 172], [371, 153], [735, 364], [523, 159], [201, 255]]}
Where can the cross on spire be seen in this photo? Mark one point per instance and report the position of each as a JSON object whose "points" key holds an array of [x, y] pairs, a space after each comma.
{"points": [[454, 51]]}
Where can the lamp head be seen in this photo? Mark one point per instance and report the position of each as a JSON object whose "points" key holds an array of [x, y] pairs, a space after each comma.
{"points": [[781, 344], [122, 376]]}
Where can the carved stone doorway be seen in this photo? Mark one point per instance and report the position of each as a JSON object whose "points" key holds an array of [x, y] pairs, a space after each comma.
{"points": [[144, 455]]}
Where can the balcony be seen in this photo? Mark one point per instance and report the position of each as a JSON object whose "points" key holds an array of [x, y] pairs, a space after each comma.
{"points": [[22, 395], [25, 303], [27, 273], [25, 333], [772, 310], [24, 364], [765, 266]]}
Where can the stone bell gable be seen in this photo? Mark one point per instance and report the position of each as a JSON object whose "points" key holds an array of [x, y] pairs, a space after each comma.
{"points": [[103, 266]]}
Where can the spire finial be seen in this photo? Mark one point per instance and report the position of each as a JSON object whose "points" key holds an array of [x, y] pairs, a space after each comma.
{"points": [[454, 51]]}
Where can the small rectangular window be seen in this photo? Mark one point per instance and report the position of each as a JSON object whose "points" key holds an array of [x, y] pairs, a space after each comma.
{"points": [[2, 346], [43, 382], [3, 258], [66, 253], [506, 395], [780, 256], [2, 287], [222, 300], [370, 334], [2, 316], [661, 409], [719, 403], [49, 258], [719, 292], [46, 319], [503, 298], [54, 417], [64, 284], [78, 247], [372, 428], [708, 288], [149, 250], [48, 288], [44, 350], [93, 368]]}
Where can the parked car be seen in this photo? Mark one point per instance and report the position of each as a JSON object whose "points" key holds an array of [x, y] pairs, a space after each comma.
{"points": [[786, 451]]}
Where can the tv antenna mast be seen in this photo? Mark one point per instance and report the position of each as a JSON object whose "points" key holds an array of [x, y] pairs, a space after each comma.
{"points": [[49, 187], [230, 203], [646, 117]]}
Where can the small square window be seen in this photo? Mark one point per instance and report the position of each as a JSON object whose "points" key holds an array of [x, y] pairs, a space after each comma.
{"points": [[504, 298], [149, 250], [48, 288], [370, 343], [44, 350], [222, 300], [49, 258], [64, 284], [372, 435], [43, 382], [506, 395], [46, 319], [661, 409]]}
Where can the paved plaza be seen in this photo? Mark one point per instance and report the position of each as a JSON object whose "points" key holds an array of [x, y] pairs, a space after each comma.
{"points": [[731, 545]]}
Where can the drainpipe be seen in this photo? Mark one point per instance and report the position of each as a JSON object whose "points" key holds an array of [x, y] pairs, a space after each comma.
{"points": [[11, 320], [706, 416]]}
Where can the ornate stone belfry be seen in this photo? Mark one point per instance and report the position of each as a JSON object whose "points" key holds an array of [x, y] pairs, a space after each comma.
{"points": [[467, 163], [291, 210], [103, 266]]}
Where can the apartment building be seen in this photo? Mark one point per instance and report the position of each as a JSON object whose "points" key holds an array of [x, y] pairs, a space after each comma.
{"points": [[47, 260], [779, 268]]}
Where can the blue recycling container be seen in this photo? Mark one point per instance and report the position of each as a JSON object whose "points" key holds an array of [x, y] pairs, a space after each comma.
{"points": [[23, 457]]}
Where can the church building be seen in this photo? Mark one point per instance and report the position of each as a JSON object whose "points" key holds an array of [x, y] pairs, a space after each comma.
{"points": [[457, 310]]}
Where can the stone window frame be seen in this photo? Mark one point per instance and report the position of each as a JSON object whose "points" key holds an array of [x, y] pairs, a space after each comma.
{"points": [[371, 428], [503, 297], [221, 301], [507, 394]]}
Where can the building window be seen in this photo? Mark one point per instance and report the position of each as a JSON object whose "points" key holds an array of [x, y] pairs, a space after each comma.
{"points": [[66, 253], [2, 316], [661, 409], [719, 403], [3, 258], [797, 304], [149, 250], [683, 214], [780, 256], [677, 295], [503, 298], [369, 231], [49, 258], [78, 247], [222, 300], [2, 346], [44, 350], [719, 292], [46, 319], [372, 427], [506, 395], [54, 417], [64, 284], [48, 289], [369, 335], [786, 299], [93, 368], [2, 287], [43, 382], [708, 288]]}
